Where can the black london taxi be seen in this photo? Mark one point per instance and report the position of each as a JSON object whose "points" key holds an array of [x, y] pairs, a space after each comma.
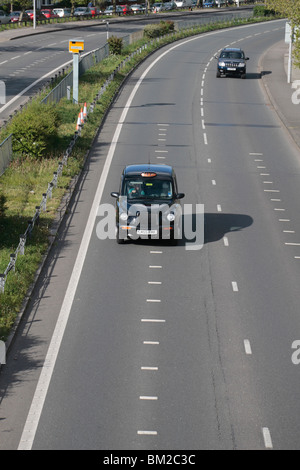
{"points": [[148, 204]]}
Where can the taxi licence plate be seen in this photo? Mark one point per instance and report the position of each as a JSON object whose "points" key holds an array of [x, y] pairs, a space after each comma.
{"points": [[146, 232]]}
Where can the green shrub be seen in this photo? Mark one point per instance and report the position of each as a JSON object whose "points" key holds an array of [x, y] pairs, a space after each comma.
{"points": [[157, 30], [35, 130], [261, 10], [115, 45]]}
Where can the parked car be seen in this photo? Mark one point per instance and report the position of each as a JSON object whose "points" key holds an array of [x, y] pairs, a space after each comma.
{"points": [[49, 13], [82, 11], [62, 12], [209, 4], [4, 17], [110, 10], [126, 9], [95, 11], [148, 204], [157, 7], [170, 5], [16, 15], [137, 9], [232, 61], [38, 14], [214, 3], [184, 3]]}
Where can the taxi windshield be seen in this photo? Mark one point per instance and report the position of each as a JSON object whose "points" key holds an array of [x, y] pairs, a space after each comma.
{"points": [[147, 188]]}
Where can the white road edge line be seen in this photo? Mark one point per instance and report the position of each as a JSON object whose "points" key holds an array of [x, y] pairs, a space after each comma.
{"points": [[247, 346], [234, 286], [147, 433], [37, 81], [267, 438], [32, 85], [146, 397]]}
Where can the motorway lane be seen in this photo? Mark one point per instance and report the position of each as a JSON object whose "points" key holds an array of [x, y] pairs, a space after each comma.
{"points": [[264, 166], [204, 388]]}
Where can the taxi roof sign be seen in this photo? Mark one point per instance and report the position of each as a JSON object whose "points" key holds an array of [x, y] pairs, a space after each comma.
{"points": [[76, 46]]}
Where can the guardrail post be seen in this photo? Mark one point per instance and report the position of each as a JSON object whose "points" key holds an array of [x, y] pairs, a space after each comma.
{"points": [[37, 215], [65, 159], [44, 202], [2, 283], [60, 168], [55, 179], [50, 188], [29, 228], [22, 244], [13, 261]]}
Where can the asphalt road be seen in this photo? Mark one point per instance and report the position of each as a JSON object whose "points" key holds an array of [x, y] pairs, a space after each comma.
{"points": [[162, 347], [27, 63]]}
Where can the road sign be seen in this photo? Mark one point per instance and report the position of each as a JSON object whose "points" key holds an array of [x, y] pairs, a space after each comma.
{"points": [[76, 46]]}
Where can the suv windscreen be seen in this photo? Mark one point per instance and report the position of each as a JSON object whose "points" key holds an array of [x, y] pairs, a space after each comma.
{"points": [[147, 188], [232, 55]]}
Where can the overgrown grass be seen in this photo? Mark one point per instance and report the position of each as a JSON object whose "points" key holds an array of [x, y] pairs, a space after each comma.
{"points": [[25, 181]]}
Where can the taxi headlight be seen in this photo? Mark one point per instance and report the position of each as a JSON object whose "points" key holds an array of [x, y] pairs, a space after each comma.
{"points": [[123, 216], [171, 217]]}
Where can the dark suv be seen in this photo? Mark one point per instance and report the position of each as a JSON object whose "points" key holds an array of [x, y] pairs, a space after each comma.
{"points": [[148, 204], [232, 61]]}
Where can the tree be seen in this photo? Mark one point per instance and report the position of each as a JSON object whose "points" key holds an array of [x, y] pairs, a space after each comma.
{"points": [[23, 4], [291, 10]]}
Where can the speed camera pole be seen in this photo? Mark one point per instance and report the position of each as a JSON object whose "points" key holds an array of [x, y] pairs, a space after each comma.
{"points": [[76, 46], [75, 77]]}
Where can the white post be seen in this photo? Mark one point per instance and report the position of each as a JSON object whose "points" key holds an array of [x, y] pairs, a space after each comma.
{"points": [[290, 63], [2, 353], [2, 92], [75, 77], [34, 14]]}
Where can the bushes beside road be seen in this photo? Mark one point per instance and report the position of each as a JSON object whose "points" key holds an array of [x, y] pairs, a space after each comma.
{"points": [[158, 29]]}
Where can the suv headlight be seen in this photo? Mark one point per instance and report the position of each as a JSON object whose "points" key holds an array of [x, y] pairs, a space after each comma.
{"points": [[242, 64], [222, 64]]}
